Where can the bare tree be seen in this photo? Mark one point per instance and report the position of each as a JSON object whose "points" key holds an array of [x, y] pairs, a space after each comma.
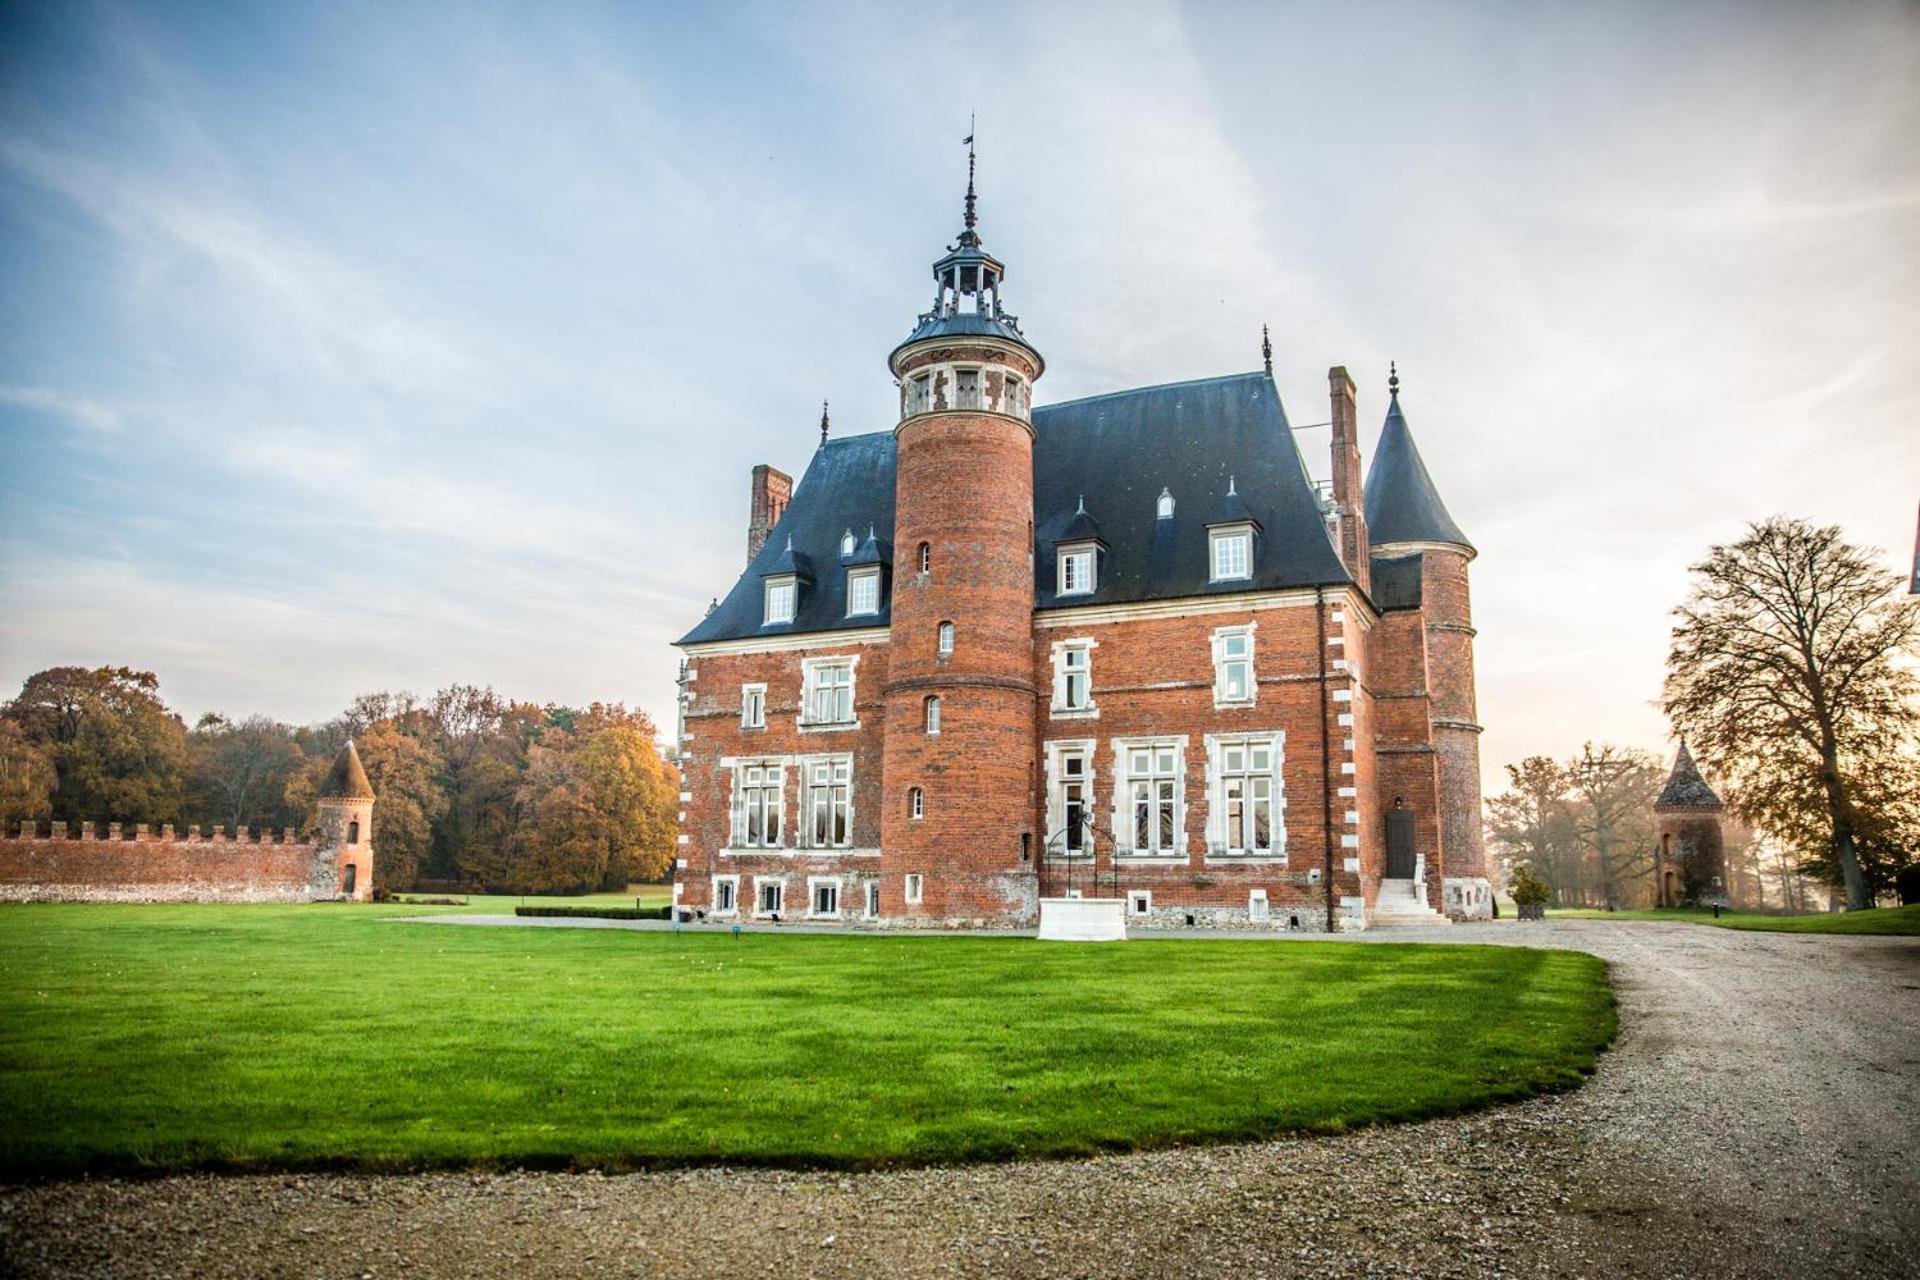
{"points": [[1614, 789], [1532, 823], [1787, 674]]}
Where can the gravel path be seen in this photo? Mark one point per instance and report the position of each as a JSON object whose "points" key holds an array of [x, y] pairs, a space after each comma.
{"points": [[1757, 1117]]}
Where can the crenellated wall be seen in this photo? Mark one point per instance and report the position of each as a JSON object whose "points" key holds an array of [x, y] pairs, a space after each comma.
{"points": [[131, 862]]}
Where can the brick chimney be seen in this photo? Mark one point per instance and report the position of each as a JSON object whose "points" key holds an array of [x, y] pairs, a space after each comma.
{"points": [[1349, 499], [772, 488]]}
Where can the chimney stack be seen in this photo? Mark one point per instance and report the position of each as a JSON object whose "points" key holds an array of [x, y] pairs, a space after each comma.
{"points": [[1349, 498], [772, 488]]}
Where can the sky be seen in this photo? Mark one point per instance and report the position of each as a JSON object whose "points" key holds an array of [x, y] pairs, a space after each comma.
{"points": [[359, 346]]}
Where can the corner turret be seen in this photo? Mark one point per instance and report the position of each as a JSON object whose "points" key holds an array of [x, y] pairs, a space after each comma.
{"points": [[343, 857]]}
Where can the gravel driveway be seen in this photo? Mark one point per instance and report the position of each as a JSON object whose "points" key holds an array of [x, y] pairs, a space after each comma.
{"points": [[1757, 1117]]}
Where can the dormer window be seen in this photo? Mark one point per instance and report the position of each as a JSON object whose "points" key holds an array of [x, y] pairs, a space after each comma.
{"points": [[1078, 566], [863, 591], [779, 600], [1232, 552], [1165, 509]]}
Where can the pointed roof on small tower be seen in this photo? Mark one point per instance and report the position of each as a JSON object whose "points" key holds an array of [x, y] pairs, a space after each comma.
{"points": [[1685, 788], [346, 780], [1403, 504]]}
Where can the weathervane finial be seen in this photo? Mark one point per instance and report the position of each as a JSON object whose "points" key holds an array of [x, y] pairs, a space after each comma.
{"points": [[971, 219], [1266, 350], [823, 422], [1393, 378]]}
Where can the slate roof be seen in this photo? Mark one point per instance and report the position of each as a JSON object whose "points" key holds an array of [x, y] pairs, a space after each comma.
{"points": [[1403, 505], [346, 780], [1685, 787], [1118, 451]]}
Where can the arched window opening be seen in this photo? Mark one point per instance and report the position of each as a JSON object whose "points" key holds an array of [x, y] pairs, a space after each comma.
{"points": [[349, 876], [916, 803], [946, 638], [926, 557], [353, 832], [933, 715]]}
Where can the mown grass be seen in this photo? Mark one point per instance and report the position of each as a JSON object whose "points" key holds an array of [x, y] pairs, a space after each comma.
{"points": [[502, 904], [148, 1038], [1903, 921]]}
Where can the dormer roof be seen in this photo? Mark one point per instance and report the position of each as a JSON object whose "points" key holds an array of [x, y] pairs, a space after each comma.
{"points": [[1080, 527], [789, 561], [871, 551], [1231, 508]]}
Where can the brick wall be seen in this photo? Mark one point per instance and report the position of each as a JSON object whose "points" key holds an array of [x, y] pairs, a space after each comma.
{"points": [[132, 865]]}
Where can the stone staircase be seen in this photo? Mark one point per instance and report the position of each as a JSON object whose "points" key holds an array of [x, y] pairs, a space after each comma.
{"points": [[1400, 903]]}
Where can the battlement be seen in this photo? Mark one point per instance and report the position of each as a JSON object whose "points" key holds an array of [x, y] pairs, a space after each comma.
{"points": [[143, 832]]}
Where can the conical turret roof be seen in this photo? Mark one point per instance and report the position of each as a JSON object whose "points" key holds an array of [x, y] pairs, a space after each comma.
{"points": [[1685, 787], [346, 780], [1403, 504]]}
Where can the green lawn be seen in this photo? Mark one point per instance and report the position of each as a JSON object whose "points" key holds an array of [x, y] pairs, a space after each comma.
{"points": [[1890, 920], [168, 1037], [502, 904]]}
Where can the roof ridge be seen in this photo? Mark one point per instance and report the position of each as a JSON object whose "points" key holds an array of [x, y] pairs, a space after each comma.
{"points": [[1156, 386]]}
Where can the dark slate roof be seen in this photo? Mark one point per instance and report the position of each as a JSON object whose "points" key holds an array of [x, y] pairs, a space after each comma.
{"points": [[1118, 451], [1685, 787], [346, 780], [1402, 503], [1395, 581], [1082, 527], [1231, 508]]}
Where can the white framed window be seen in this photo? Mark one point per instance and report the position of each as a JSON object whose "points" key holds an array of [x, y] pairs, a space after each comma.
{"points": [[872, 911], [1140, 902], [779, 600], [1233, 666], [933, 715], [1152, 793], [916, 885], [1073, 677], [1257, 905], [1246, 808], [916, 803], [757, 803], [726, 895], [946, 639], [823, 898], [1076, 569], [753, 706], [1070, 798], [826, 802], [1232, 550], [863, 590], [769, 895], [1163, 509], [847, 544], [926, 557], [828, 692]]}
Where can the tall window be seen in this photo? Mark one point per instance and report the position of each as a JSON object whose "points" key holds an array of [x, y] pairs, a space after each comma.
{"points": [[1074, 782], [946, 638], [828, 803], [1246, 781], [863, 591], [1153, 782], [1073, 678], [916, 803], [1076, 572], [353, 832], [933, 715], [1232, 553], [779, 601], [753, 706], [873, 899], [1233, 665], [926, 557], [756, 806], [829, 692]]}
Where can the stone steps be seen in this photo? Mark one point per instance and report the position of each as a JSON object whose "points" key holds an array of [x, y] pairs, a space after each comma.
{"points": [[1399, 903]]}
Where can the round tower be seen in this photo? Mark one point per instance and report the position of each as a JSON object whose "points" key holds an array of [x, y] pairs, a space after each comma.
{"points": [[1690, 839], [959, 757], [343, 854]]}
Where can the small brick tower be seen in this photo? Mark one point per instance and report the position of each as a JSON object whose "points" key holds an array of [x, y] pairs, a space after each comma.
{"points": [[959, 693], [1688, 823], [345, 828]]}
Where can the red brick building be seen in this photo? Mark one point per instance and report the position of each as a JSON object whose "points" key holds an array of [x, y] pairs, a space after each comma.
{"points": [[1118, 646]]}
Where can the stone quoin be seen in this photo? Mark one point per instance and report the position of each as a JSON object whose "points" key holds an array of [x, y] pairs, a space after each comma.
{"points": [[1119, 646]]}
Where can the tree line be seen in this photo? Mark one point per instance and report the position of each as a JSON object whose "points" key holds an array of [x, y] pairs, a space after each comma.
{"points": [[472, 787], [1791, 673]]}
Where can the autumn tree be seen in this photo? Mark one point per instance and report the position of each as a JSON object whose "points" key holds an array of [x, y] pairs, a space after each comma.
{"points": [[26, 776], [597, 807], [118, 754], [237, 774], [1613, 793], [1532, 823], [403, 768], [1790, 673]]}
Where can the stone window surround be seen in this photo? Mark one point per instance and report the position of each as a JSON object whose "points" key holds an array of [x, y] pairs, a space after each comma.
{"points": [[808, 667], [1123, 799], [753, 715], [1218, 645], [1059, 710], [1225, 533], [860, 576], [713, 895], [1074, 551], [1055, 750], [1216, 834]]}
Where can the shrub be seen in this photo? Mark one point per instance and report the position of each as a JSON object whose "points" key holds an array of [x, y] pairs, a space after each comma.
{"points": [[1526, 888], [598, 913]]}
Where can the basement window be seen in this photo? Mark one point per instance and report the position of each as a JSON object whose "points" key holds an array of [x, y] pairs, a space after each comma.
{"points": [[1140, 903]]}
